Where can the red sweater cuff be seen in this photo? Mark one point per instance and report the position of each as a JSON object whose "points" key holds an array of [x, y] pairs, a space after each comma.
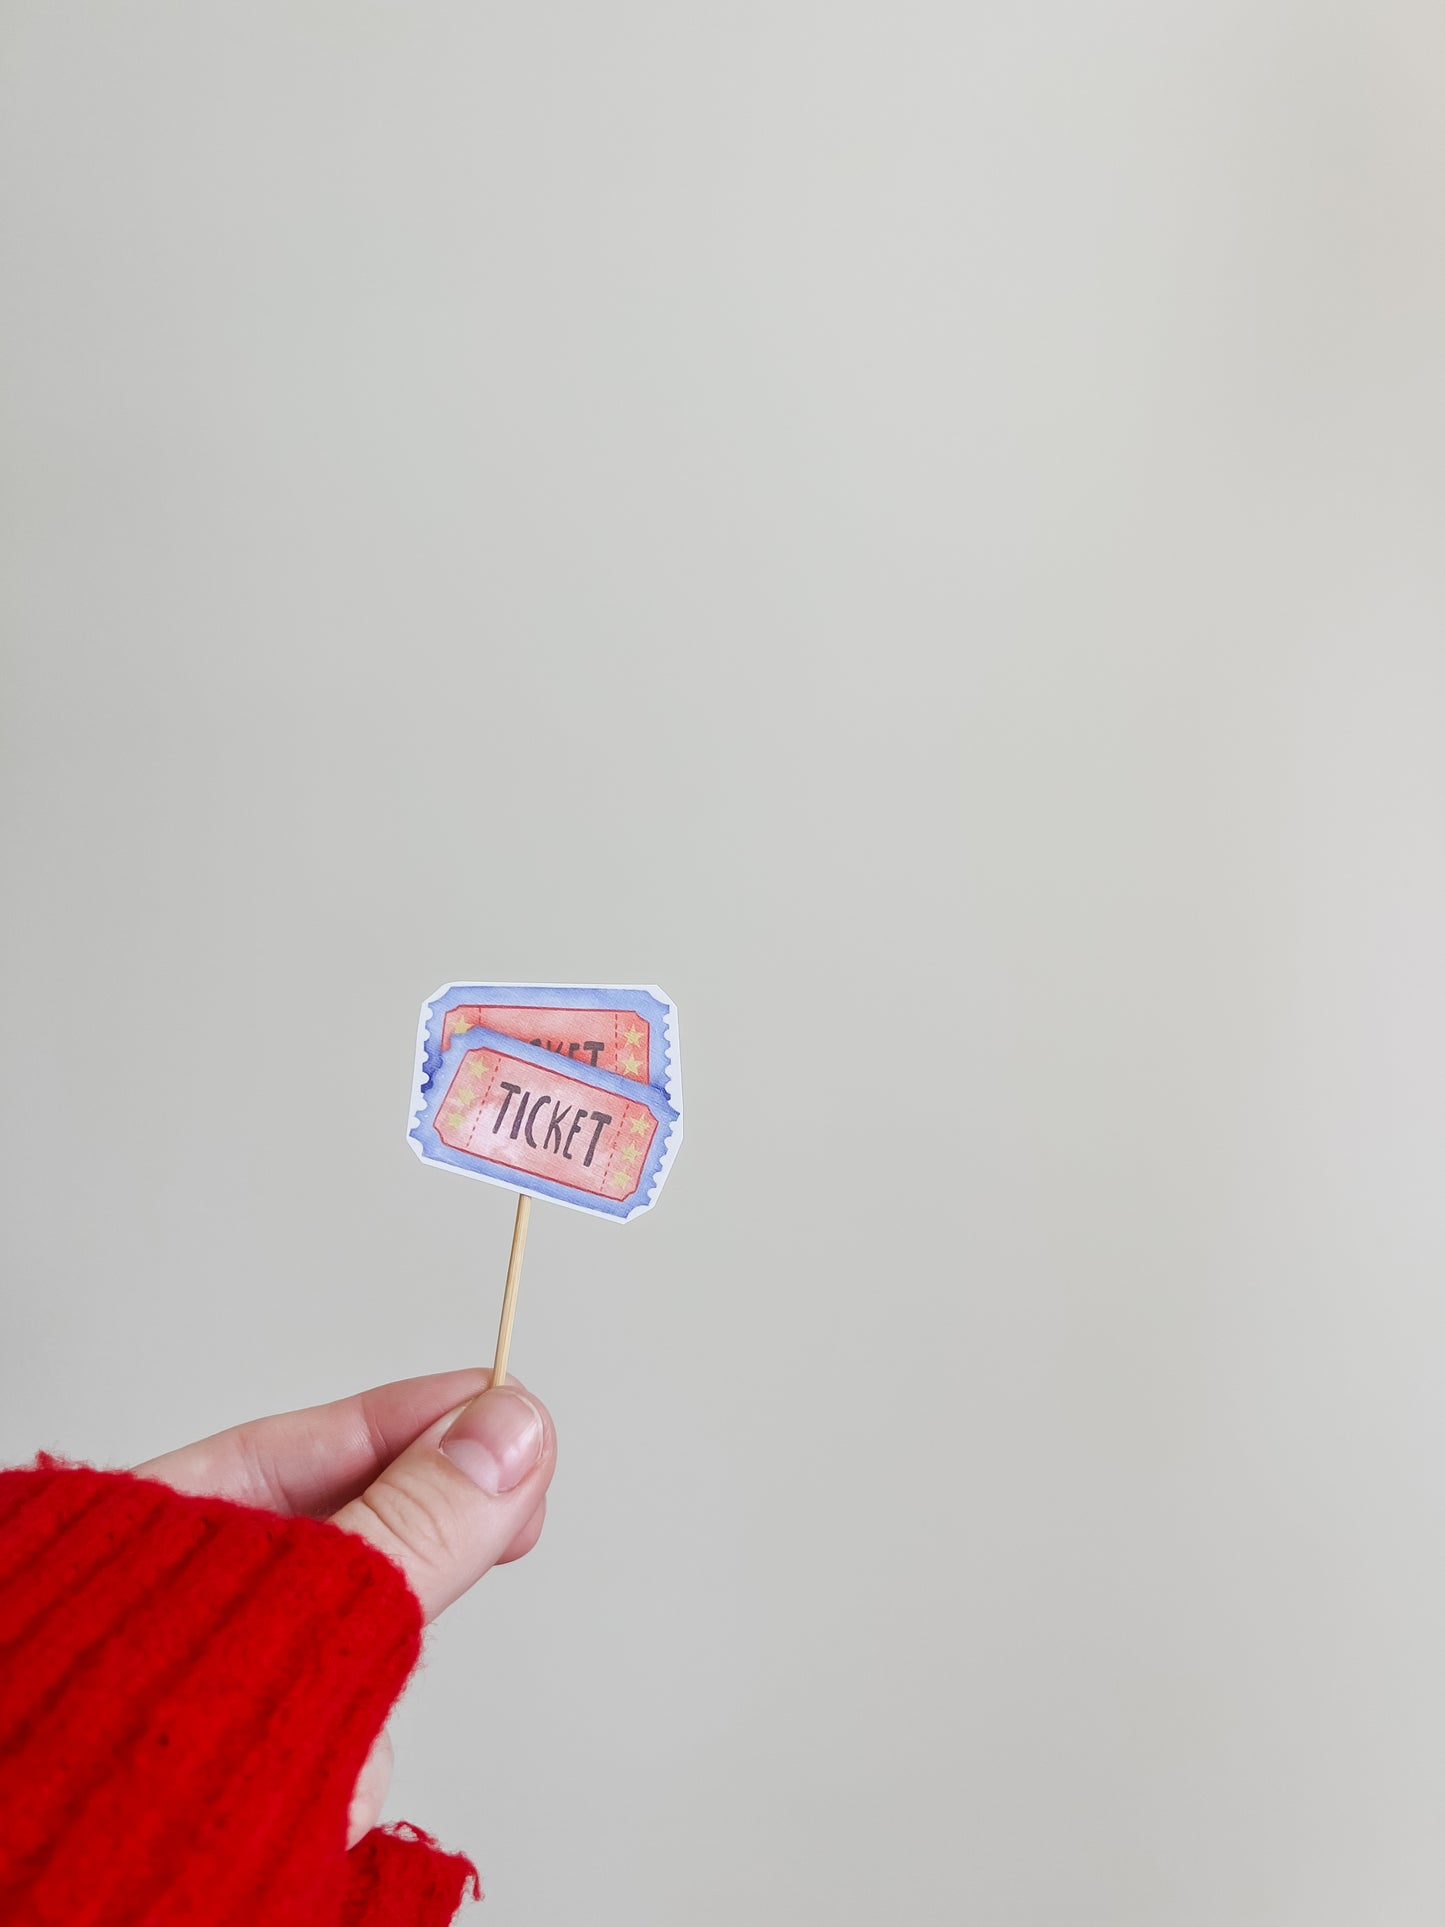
{"points": [[188, 1689]]}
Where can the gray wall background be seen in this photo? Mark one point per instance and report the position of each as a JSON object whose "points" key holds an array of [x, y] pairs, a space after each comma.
{"points": [[918, 528]]}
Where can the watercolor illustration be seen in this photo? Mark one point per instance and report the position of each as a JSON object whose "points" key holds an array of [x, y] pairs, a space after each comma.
{"points": [[562, 1091]]}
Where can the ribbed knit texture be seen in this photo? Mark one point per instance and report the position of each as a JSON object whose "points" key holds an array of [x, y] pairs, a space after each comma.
{"points": [[188, 1689]]}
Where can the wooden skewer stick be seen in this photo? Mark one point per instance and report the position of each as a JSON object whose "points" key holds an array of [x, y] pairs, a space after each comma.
{"points": [[509, 1296]]}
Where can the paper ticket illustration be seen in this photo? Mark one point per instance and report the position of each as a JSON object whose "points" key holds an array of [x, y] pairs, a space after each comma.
{"points": [[567, 1092]]}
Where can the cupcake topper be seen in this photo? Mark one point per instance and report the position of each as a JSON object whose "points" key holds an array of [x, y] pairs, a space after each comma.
{"points": [[569, 1092]]}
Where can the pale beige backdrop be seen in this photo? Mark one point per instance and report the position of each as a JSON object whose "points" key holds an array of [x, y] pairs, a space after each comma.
{"points": [[917, 527]]}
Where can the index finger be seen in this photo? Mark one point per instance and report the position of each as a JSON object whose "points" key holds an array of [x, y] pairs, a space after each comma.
{"points": [[315, 1461]]}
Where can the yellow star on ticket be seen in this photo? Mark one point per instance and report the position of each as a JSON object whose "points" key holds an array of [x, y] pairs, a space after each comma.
{"points": [[631, 1065], [637, 1126], [628, 1154], [622, 1179], [632, 1035], [464, 1024]]}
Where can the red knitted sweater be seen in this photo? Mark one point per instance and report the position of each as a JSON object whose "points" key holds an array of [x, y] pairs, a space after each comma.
{"points": [[188, 1689]]}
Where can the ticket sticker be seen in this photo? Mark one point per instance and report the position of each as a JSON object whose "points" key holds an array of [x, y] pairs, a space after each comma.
{"points": [[555, 1123], [609, 1040], [629, 1030], [518, 1114]]}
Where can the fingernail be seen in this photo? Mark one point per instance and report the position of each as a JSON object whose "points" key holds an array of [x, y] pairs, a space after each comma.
{"points": [[497, 1440]]}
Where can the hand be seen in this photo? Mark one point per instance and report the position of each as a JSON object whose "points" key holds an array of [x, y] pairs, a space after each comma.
{"points": [[445, 1476]]}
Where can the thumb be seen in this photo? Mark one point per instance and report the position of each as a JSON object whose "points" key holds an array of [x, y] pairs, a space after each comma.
{"points": [[453, 1502]]}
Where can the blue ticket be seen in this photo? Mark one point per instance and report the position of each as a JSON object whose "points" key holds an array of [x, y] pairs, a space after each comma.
{"points": [[555, 1123], [627, 1029]]}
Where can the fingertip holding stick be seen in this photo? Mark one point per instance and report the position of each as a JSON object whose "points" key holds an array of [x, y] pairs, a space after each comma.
{"points": [[509, 1296]]}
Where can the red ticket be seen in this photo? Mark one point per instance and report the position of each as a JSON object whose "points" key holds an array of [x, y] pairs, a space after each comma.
{"points": [[609, 1040], [511, 1112]]}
